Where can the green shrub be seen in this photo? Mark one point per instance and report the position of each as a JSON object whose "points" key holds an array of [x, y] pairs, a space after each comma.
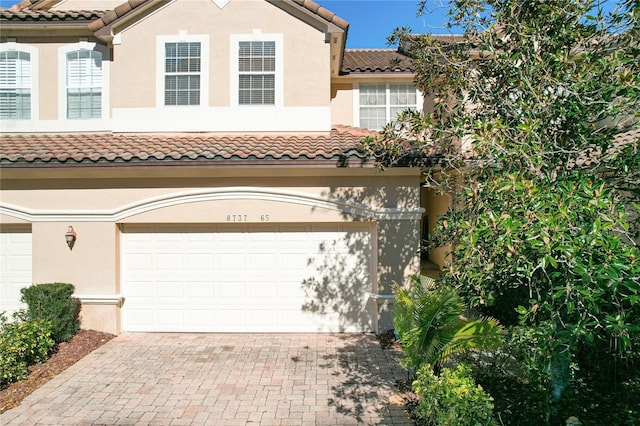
{"points": [[54, 302], [453, 398], [22, 343], [431, 322]]}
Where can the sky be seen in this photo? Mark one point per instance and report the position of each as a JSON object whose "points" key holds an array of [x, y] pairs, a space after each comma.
{"points": [[371, 21]]}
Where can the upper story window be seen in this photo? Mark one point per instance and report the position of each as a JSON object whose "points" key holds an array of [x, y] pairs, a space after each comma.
{"points": [[182, 78], [84, 84], [182, 73], [17, 69], [380, 103], [257, 72], [257, 69]]}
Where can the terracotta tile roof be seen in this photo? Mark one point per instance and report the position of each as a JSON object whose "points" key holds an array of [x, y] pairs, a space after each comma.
{"points": [[32, 4], [120, 11], [30, 15], [37, 10], [375, 60], [628, 137], [323, 13], [341, 144]]}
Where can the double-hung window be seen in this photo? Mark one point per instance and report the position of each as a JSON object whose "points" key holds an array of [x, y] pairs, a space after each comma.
{"points": [[15, 85], [84, 84], [182, 73], [257, 72], [380, 103]]}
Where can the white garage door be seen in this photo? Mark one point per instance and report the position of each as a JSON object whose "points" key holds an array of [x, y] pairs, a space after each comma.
{"points": [[247, 278], [15, 269]]}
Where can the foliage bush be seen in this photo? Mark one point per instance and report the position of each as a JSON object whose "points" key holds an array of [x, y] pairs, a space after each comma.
{"points": [[536, 129], [453, 398], [54, 303], [605, 389], [431, 322], [22, 343]]}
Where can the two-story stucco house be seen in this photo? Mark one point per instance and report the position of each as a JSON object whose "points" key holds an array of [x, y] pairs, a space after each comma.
{"points": [[193, 165]]}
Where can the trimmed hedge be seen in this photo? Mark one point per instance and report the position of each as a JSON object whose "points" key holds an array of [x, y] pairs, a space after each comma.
{"points": [[22, 343], [53, 302]]}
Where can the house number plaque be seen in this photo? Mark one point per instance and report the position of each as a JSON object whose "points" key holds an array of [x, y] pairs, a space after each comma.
{"points": [[245, 218]]}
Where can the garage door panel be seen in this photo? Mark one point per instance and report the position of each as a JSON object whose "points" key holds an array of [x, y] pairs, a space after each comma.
{"points": [[200, 261], [230, 291], [169, 290], [257, 318], [200, 240], [170, 319], [270, 278], [232, 318], [232, 261], [140, 262], [261, 289], [292, 262], [139, 289], [261, 239], [15, 272], [17, 264], [169, 262], [202, 319], [262, 262], [199, 292], [143, 318], [167, 239]]}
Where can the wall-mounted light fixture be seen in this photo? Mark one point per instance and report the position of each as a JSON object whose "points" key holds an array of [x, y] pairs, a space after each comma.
{"points": [[70, 237]]}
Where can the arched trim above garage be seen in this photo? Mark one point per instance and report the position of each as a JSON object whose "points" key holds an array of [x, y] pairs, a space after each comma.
{"points": [[347, 207]]}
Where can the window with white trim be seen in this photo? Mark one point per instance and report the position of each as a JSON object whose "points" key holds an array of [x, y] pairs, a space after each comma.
{"points": [[16, 82], [84, 84], [257, 72], [380, 103], [182, 73]]}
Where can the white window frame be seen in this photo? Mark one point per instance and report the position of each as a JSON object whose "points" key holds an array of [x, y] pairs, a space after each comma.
{"points": [[183, 37], [33, 60], [388, 106], [234, 70], [62, 79]]}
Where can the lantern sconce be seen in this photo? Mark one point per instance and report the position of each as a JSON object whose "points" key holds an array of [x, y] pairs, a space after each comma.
{"points": [[70, 237]]}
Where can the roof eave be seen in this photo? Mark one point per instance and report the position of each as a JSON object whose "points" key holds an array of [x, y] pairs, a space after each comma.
{"points": [[118, 23], [359, 75], [26, 28], [346, 162], [334, 28]]}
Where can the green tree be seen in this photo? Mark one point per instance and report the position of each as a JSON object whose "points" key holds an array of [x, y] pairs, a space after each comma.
{"points": [[432, 325], [536, 126]]}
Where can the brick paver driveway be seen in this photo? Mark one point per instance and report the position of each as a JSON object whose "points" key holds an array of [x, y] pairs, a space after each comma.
{"points": [[223, 379]]}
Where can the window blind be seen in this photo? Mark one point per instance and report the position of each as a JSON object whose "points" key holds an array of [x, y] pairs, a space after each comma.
{"points": [[15, 85]]}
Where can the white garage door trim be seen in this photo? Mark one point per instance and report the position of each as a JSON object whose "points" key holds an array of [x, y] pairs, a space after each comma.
{"points": [[15, 268], [248, 278]]}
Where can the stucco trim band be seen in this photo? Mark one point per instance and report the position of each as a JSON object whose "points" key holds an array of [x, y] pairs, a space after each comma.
{"points": [[100, 299], [215, 194], [383, 299]]}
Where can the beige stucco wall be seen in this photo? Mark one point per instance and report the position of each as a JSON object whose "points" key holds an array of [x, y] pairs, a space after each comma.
{"points": [[90, 266], [93, 265], [435, 205], [132, 71], [342, 104], [306, 82]]}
